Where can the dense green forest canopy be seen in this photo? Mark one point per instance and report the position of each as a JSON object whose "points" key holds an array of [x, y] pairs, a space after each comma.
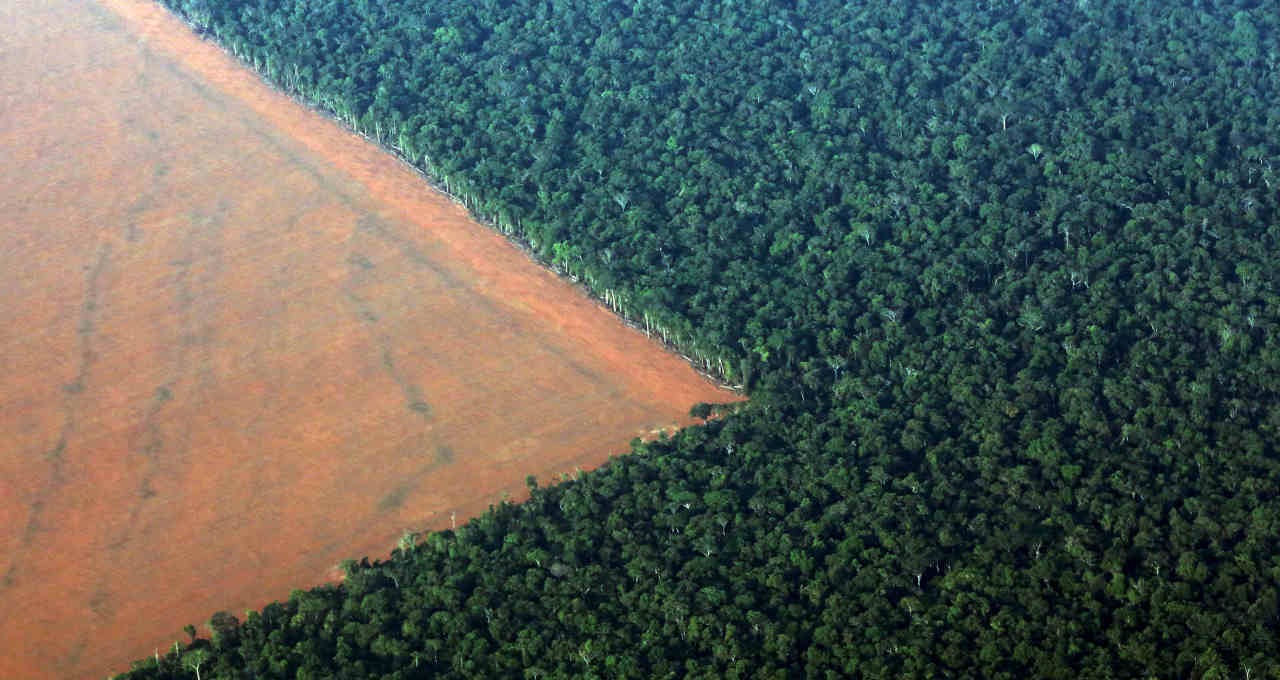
{"points": [[1000, 279]]}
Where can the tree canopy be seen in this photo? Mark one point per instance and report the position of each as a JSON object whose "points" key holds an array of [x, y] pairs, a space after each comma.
{"points": [[1000, 279]]}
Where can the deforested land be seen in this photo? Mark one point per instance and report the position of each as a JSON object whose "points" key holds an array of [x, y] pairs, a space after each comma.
{"points": [[239, 344]]}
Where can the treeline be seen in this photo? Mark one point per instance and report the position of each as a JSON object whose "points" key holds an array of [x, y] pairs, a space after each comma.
{"points": [[1000, 278]]}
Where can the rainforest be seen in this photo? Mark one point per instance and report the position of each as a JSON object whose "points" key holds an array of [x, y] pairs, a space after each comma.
{"points": [[998, 277]]}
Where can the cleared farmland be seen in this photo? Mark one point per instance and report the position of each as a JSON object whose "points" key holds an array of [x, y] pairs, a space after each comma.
{"points": [[239, 344]]}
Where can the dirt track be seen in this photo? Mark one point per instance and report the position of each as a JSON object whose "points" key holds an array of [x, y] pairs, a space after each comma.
{"points": [[239, 344]]}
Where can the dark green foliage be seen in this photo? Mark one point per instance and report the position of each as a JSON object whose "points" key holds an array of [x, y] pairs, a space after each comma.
{"points": [[1001, 282]]}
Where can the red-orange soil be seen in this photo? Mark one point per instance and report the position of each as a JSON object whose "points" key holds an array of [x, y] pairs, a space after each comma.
{"points": [[239, 344]]}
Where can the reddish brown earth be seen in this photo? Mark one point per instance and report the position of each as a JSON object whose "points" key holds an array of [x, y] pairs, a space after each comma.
{"points": [[238, 345]]}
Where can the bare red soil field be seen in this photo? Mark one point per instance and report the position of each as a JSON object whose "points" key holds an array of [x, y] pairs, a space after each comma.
{"points": [[239, 344]]}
